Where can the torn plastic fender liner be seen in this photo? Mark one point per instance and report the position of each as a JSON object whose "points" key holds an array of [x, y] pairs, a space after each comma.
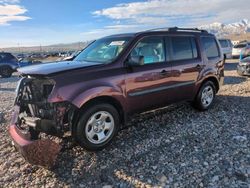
{"points": [[37, 152]]}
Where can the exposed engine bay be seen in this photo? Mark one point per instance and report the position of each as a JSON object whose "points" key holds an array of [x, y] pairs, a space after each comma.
{"points": [[36, 113]]}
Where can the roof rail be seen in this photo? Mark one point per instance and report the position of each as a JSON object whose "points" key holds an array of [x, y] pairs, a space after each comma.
{"points": [[178, 29]]}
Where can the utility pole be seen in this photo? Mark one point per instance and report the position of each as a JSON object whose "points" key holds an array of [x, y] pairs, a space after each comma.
{"points": [[19, 50]]}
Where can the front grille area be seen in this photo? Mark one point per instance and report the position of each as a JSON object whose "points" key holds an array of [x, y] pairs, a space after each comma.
{"points": [[36, 112]]}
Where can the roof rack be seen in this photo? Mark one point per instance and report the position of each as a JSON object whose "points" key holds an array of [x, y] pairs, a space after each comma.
{"points": [[178, 29]]}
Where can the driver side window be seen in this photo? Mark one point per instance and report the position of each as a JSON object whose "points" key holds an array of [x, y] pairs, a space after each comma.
{"points": [[151, 49]]}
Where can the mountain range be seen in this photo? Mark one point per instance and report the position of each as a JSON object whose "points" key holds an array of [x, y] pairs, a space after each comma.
{"points": [[223, 30]]}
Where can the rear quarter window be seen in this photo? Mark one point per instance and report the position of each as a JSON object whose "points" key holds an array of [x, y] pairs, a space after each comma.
{"points": [[210, 46]]}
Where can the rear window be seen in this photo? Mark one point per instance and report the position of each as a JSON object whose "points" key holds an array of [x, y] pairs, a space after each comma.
{"points": [[210, 46], [184, 48], [223, 43], [7, 57]]}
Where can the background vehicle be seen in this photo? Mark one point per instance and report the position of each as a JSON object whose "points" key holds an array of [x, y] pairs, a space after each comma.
{"points": [[243, 68], [111, 79], [239, 48], [28, 61], [245, 52], [226, 47], [8, 64], [72, 56]]}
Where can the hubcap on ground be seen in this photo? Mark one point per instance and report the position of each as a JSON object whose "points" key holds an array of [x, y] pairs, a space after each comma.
{"points": [[100, 127], [207, 96]]}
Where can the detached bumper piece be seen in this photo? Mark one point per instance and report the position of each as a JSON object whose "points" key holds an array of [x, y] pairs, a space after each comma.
{"points": [[243, 70], [37, 152]]}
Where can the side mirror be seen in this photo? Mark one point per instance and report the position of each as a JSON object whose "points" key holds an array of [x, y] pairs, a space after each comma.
{"points": [[135, 60]]}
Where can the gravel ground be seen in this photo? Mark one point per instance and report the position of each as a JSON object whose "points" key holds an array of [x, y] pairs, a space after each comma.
{"points": [[172, 147]]}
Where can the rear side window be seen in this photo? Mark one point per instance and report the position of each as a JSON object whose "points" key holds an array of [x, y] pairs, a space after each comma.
{"points": [[184, 48], [210, 46]]}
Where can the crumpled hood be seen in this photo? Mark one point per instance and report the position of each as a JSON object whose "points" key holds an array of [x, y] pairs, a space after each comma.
{"points": [[55, 67]]}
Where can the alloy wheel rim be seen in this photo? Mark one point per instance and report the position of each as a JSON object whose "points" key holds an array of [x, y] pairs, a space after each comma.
{"points": [[100, 127], [207, 96]]}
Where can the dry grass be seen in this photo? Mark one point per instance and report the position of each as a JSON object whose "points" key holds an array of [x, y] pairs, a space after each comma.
{"points": [[240, 37]]}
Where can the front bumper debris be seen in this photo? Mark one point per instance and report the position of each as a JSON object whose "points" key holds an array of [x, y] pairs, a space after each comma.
{"points": [[37, 152], [243, 70]]}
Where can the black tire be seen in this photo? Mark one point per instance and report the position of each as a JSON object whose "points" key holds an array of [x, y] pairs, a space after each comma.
{"points": [[86, 114], [198, 104], [6, 72]]}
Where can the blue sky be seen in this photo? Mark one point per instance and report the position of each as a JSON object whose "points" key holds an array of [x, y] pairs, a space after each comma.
{"points": [[35, 22]]}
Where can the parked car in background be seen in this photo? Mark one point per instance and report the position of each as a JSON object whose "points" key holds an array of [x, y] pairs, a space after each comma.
{"points": [[8, 64], [241, 48], [21, 56], [28, 61], [243, 68], [226, 47], [245, 52], [113, 78], [72, 56]]}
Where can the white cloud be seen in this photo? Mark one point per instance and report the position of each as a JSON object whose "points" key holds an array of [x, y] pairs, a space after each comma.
{"points": [[108, 30], [175, 12], [11, 12], [9, 1], [4, 20]]}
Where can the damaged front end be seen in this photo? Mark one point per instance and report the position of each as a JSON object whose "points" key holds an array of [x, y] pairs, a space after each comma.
{"points": [[33, 115]]}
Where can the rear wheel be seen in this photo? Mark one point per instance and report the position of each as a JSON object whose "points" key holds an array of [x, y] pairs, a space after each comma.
{"points": [[205, 97], [6, 72], [97, 126]]}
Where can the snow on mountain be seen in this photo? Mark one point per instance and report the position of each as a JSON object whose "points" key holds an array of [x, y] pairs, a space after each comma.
{"points": [[221, 29]]}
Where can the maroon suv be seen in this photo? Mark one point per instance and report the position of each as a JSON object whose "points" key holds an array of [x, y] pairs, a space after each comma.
{"points": [[92, 97]]}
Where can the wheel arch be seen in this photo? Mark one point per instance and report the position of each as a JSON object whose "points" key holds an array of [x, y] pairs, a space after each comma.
{"points": [[97, 100], [212, 79]]}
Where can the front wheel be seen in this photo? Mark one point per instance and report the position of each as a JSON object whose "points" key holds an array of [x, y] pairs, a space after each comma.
{"points": [[205, 97], [97, 126]]}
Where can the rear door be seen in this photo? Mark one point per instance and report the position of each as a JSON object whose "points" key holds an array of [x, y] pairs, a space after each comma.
{"points": [[213, 57], [186, 66], [147, 85]]}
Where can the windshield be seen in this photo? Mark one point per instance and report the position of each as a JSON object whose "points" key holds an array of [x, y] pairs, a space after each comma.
{"points": [[240, 46], [103, 50], [247, 59]]}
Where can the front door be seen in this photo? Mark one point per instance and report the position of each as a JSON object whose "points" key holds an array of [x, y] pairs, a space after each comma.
{"points": [[147, 84]]}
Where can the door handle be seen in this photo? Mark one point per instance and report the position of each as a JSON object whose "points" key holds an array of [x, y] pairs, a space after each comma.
{"points": [[163, 72], [199, 67]]}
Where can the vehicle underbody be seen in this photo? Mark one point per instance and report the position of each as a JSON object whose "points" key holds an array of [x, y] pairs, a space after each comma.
{"points": [[34, 115]]}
